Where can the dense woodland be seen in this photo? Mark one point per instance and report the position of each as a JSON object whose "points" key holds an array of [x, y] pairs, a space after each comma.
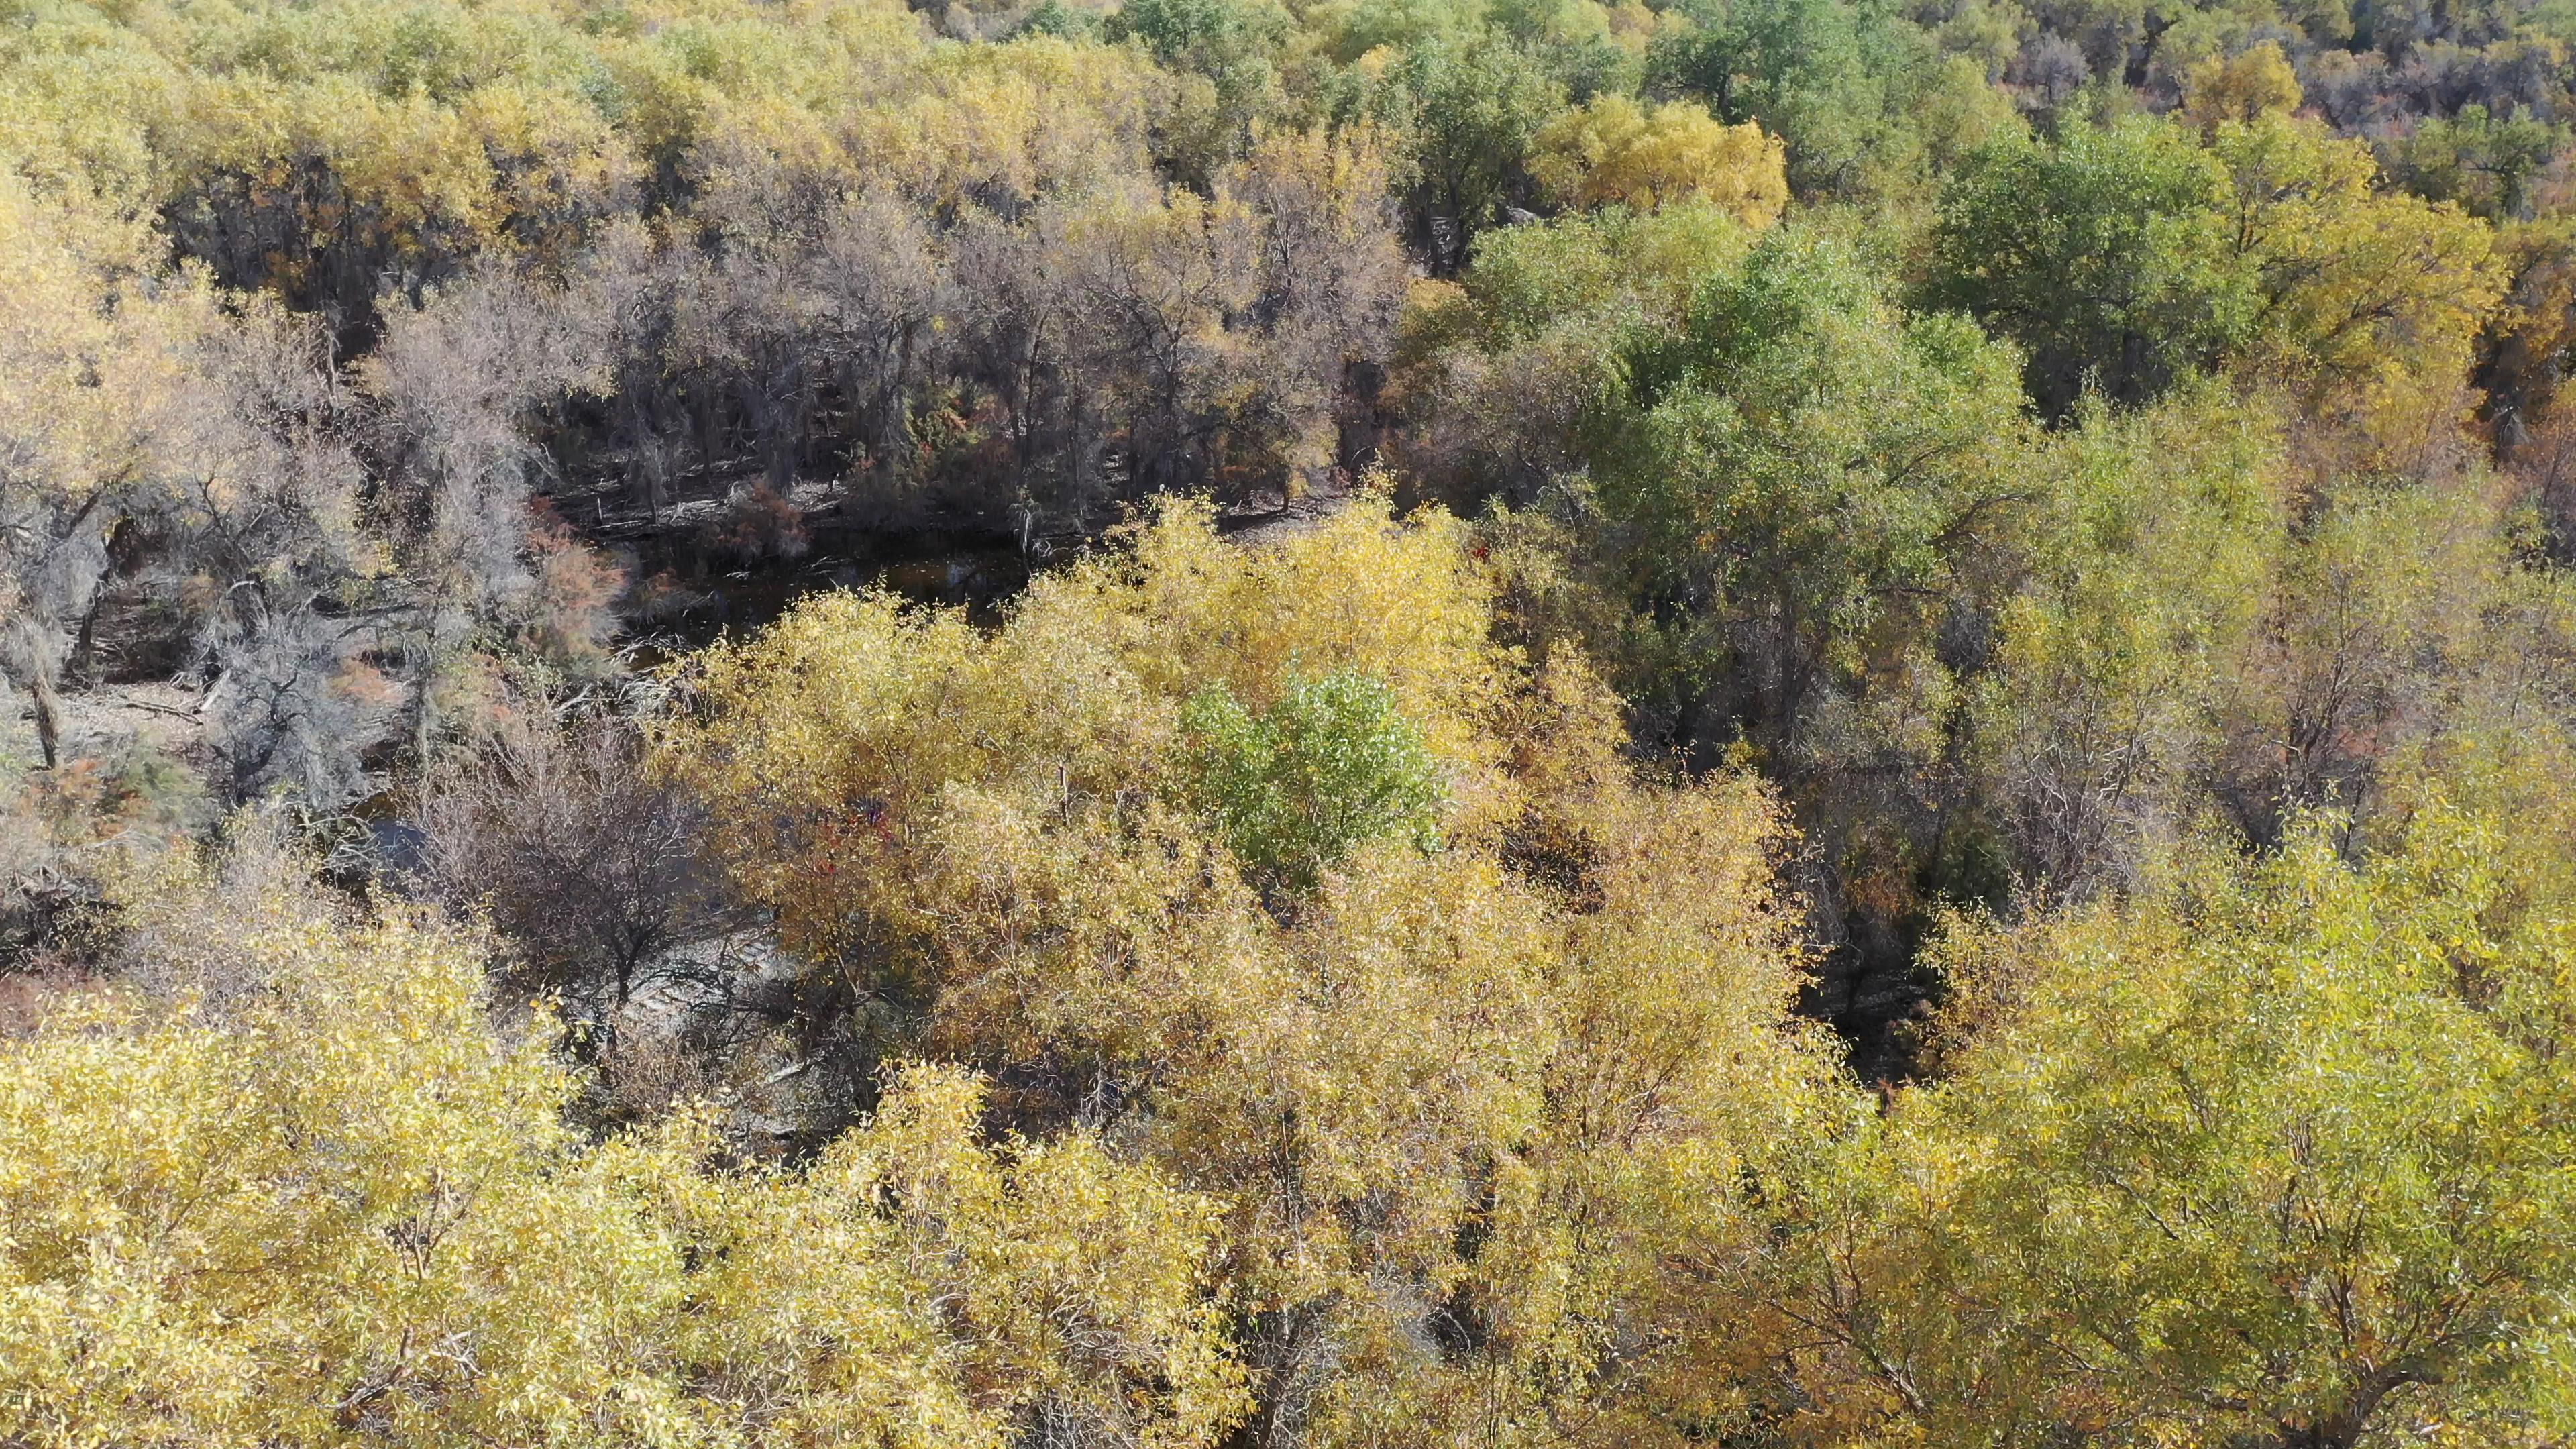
{"points": [[1229, 723]]}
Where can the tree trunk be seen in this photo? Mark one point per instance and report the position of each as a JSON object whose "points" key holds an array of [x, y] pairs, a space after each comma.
{"points": [[49, 728]]}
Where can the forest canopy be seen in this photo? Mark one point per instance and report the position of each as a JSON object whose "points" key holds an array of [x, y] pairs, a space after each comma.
{"points": [[1245, 724]]}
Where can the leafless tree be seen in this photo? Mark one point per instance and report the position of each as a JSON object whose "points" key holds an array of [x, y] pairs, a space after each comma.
{"points": [[584, 859]]}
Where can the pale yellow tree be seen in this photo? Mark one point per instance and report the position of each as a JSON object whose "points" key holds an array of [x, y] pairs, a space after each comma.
{"points": [[1462, 1075], [1613, 150], [293, 1186], [92, 367], [2251, 84]]}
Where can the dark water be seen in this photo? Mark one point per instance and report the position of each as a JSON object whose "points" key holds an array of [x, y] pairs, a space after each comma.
{"points": [[690, 607]]}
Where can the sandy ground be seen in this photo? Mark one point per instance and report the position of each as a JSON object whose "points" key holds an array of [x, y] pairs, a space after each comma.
{"points": [[105, 721]]}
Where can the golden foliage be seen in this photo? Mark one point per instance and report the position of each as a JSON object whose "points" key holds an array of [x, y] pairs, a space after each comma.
{"points": [[1612, 150], [319, 1196], [88, 350], [2244, 87], [2290, 1125], [2372, 301], [1481, 1084]]}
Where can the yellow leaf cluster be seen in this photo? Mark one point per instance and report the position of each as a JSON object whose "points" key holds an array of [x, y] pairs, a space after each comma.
{"points": [[1614, 151], [91, 345], [1502, 1075], [324, 1198], [2257, 1122], [2372, 300], [2245, 87]]}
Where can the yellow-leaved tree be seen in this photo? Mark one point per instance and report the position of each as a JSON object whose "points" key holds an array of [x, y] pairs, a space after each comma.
{"points": [[2242, 88], [93, 371], [1612, 150], [304, 1192], [1272, 862], [2368, 301], [2275, 1155]]}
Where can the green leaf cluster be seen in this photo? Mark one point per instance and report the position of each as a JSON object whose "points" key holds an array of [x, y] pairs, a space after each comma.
{"points": [[1331, 764]]}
